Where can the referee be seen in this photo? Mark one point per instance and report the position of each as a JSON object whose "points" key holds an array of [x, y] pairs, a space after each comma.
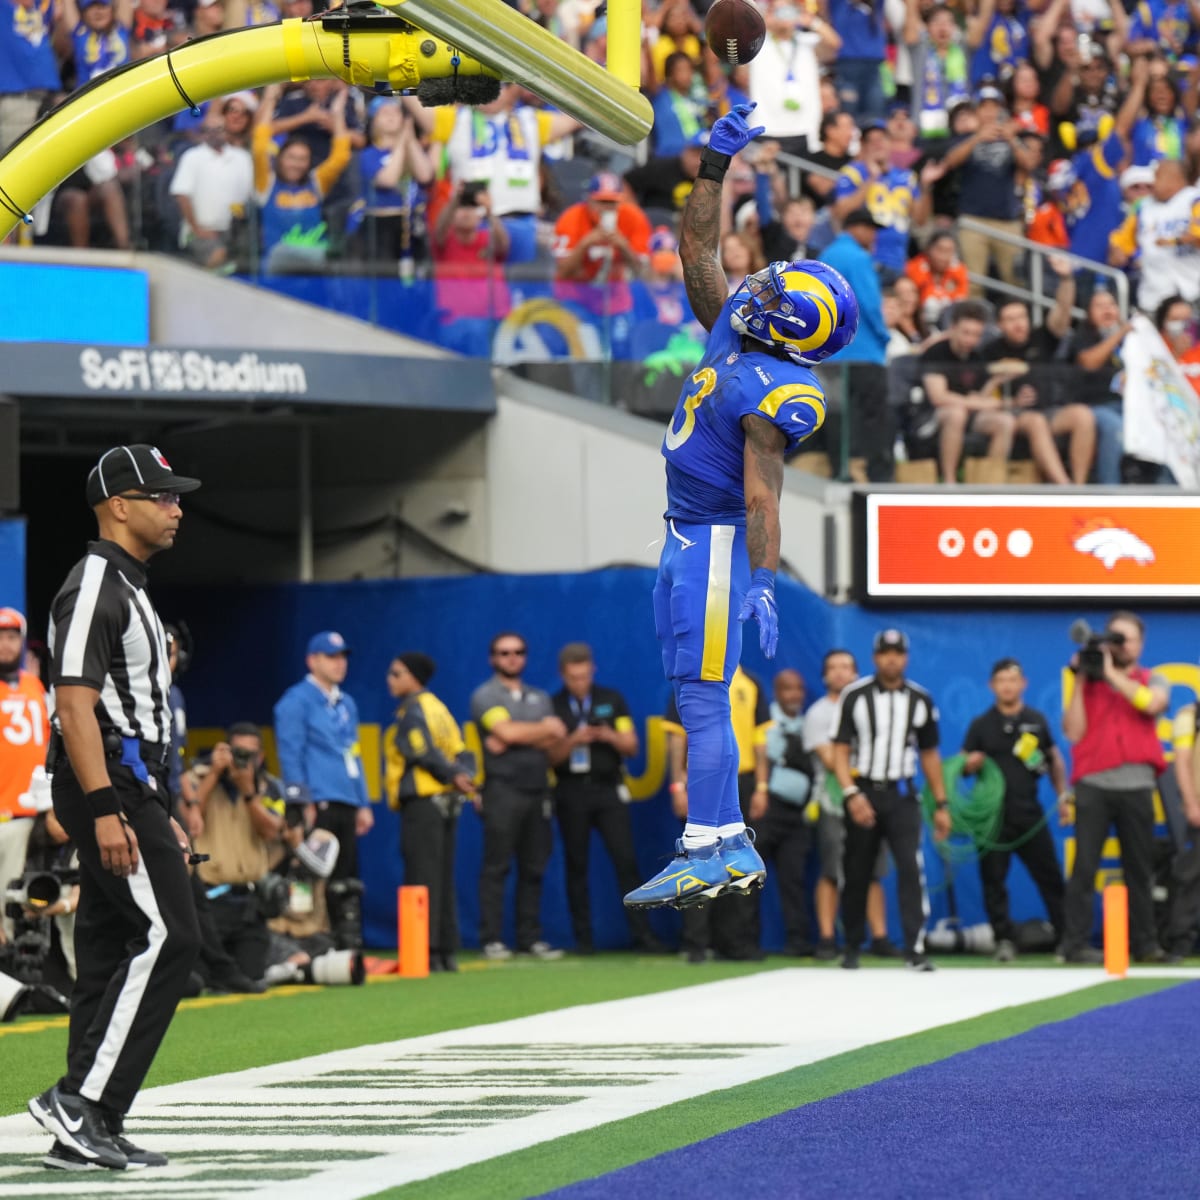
{"points": [[879, 722], [136, 935]]}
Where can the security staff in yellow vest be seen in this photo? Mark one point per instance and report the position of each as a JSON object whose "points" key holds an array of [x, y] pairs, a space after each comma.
{"points": [[241, 807], [429, 771], [729, 926]]}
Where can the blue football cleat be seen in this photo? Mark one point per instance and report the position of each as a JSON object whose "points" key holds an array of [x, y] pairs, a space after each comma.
{"points": [[743, 865], [691, 877]]}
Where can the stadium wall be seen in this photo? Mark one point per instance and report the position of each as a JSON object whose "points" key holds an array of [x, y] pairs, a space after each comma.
{"points": [[250, 647]]}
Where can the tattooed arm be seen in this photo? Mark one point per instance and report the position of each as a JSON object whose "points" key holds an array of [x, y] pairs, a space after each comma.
{"points": [[699, 238], [763, 473]]}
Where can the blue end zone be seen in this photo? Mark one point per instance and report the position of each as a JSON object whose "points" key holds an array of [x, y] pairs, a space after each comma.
{"points": [[1103, 1104]]}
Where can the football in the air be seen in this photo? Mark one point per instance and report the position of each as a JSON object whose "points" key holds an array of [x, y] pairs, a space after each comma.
{"points": [[735, 30]]}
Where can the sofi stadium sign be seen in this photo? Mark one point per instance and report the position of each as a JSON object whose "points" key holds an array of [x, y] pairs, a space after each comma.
{"points": [[189, 371], [1027, 545]]}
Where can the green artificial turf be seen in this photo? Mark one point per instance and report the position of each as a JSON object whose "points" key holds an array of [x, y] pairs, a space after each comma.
{"points": [[569, 1159], [213, 1035]]}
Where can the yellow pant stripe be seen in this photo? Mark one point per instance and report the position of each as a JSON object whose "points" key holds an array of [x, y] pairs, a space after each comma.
{"points": [[716, 604]]}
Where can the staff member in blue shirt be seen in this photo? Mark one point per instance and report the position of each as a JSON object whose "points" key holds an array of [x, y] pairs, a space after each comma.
{"points": [[28, 67], [852, 253], [316, 733]]}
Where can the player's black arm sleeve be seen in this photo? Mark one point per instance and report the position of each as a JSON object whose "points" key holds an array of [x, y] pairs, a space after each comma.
{"points": [[699, 240]]}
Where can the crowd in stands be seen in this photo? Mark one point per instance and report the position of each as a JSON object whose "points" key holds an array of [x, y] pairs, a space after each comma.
{"points": [[960, 130]]}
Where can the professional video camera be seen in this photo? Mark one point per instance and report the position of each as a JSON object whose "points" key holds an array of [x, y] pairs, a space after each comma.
{"points": [[1091, 648], [24, 955]]}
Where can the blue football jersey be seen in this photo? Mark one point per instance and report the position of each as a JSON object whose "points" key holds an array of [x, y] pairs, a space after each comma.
{"points": [[705, 446]]}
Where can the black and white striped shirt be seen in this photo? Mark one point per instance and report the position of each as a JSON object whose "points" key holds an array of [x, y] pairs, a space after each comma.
{"points": [[885, 728], [105, 634]]}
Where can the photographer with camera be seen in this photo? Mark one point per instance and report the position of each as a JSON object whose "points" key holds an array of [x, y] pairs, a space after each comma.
{"points": [[1110, 721], [242, 807], [41, 904], [784, 832]]}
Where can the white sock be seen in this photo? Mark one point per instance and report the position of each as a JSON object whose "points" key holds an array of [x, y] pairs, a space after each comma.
{"points": [[695, 836], [731, 830]]}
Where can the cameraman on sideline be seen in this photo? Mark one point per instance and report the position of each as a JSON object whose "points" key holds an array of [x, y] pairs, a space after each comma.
{"points": [[242, 809], [1110, 722]]}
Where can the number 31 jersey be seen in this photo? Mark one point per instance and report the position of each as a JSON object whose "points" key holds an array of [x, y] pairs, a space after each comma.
{"points": [[705, 444], [24, 730]]}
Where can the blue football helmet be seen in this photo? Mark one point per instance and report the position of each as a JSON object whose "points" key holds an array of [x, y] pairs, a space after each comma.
{"points": [[805, 308]]}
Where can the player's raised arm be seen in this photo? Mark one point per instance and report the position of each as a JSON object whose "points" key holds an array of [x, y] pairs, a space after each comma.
{"points": [[763, 473], [700, 230]]}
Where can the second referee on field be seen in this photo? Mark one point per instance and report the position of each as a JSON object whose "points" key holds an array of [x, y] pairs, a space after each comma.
{"points": [[883, 724]]}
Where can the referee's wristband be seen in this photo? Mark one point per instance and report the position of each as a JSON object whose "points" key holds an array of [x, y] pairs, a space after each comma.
{"points": [[851, 791], [713, 165], [104, 802]]}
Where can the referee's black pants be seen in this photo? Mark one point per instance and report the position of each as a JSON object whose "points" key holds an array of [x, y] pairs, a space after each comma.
{"points": [[1041, 861], [136, 941], [1096, 811], [515, 822], [582, 805], [428, 835], [898, 822]]}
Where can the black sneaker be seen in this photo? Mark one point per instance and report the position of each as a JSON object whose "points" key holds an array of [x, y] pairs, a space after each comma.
{"points": [[135, 1156], [850, 961], [449, 962], [918, 962], [62, 1158], [882, 948], [826, 950], [1085, 956], [79, 1125]]}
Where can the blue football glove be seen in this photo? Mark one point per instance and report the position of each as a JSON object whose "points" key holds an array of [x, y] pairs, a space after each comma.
{"points": [[760, 604], [731, 133]]}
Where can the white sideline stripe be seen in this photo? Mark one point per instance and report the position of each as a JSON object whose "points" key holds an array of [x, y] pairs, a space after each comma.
{"points": [[839, 1011]]}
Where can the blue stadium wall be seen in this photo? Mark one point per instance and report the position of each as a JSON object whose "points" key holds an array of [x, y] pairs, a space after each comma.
{"points": [[250, 644]]}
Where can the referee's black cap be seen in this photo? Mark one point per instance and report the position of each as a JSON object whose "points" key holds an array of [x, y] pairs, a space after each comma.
{"points": [[137, 468], [891, 639]]}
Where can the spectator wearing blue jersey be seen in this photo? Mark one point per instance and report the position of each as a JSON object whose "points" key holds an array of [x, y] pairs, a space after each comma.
{"points": [[316, 733], [396, 170], [101, 35], [678, 119], [860, 60], [893, 195], [852, 254], [1165, 27], [987, 161], [28, 68], [998, 34], [1160, 132]]}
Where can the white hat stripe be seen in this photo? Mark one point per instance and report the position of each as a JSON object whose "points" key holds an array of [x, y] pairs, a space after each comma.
{"points": [[136, 468]]}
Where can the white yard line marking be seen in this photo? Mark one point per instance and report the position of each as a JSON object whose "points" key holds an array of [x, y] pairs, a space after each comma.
{"points": [[350, 1123]]}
